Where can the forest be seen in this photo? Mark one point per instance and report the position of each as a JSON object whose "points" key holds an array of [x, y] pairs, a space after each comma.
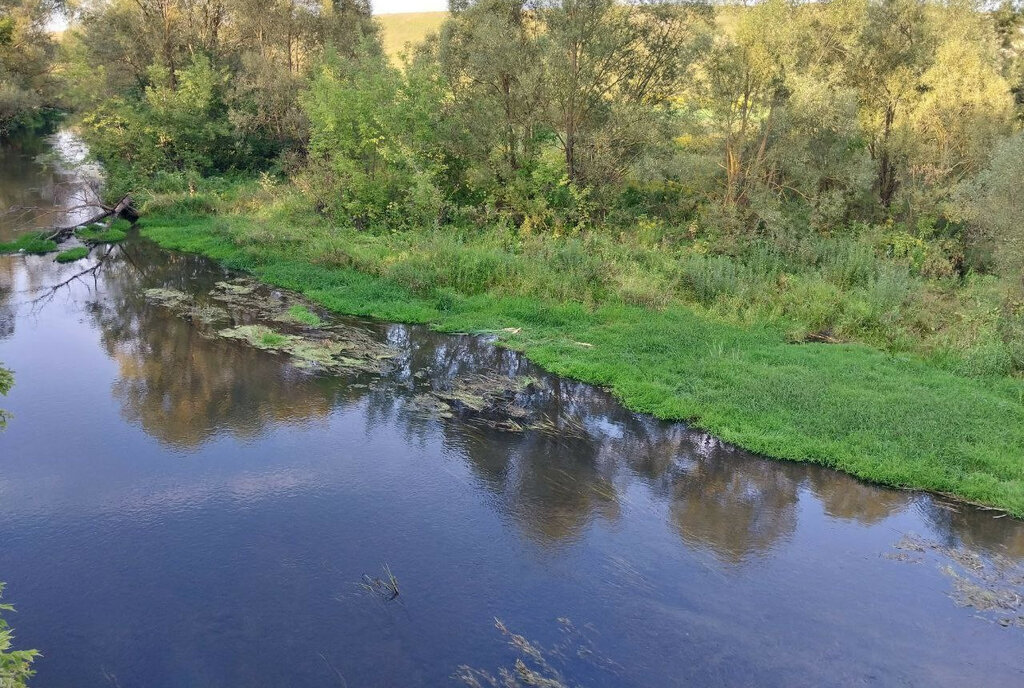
{"points": [[753, 175], [846, 167]]}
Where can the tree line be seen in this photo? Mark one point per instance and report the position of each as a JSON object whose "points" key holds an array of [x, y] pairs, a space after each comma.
{"points": [[893, 121]]}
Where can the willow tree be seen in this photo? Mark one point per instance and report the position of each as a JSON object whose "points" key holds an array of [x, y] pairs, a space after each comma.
{"points": [[612, 71], [26, 54], [489, 55]]}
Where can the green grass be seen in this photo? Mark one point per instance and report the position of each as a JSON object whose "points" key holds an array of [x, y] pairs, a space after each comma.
{"points": [[72, 254], [301, 314], [116, 232], [891, 418], [408, 27], [272, 340], [33, 242]]}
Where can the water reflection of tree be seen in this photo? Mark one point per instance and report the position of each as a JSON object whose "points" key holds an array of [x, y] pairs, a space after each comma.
{"points": [[7, 271], [554, 482], [183, 388], [978, 529], [179, 385], [845, 497]]}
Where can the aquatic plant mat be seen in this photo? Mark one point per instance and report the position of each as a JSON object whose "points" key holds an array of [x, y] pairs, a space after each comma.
{"points": [[991, 585], [281, 322], [246, 311]]}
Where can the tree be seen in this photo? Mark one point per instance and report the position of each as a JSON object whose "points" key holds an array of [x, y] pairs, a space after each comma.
{"points": [[612, 70], [489, 56], [248, 60], [992, 204], [370, 148], [26, 54]]}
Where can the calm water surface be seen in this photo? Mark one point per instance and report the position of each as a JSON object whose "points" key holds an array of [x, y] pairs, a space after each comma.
{"points": [[177, 509]]}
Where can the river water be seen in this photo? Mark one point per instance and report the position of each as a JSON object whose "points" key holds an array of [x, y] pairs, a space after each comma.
{"points": [[182, 509]]}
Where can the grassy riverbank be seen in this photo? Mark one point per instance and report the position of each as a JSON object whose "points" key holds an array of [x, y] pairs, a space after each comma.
{"points": [[900, 418]]}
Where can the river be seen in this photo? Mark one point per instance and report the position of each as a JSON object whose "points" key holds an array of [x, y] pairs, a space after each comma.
{"points": [[180, 508]]}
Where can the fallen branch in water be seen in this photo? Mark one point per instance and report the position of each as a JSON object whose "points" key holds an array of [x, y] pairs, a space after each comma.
{"points": [[122, 209]]}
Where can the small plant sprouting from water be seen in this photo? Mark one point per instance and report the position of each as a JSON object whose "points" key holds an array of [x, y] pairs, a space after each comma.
{"points": [[15, 665], [301, 314], [385, 587]]}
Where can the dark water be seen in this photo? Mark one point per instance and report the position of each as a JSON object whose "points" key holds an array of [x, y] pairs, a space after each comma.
{"points": [[178, 509]]}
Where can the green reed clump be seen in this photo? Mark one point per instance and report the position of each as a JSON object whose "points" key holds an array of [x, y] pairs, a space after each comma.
{"points": [[32, 242], [72, 254]]}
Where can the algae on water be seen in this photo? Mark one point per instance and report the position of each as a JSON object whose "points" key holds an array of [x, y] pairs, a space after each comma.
{"points": [[261, 319], [186, 306]]}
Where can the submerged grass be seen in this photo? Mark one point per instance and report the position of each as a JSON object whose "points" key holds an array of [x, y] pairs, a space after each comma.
{"points": [[892, 417]]}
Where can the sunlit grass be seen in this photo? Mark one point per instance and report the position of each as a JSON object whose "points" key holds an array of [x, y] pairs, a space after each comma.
{"points": [[301, 314], [574, 307]]}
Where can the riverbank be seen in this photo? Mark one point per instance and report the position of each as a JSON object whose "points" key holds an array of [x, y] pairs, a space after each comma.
{"points": [[893, 418]]}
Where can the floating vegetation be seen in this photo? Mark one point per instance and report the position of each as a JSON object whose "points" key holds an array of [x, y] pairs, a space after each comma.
{"points": [[237, 287], [386, 588], [171, 298], [536, 665], [186, 307], [497, 401], [335, 349], [72, 254], [992, 585]]}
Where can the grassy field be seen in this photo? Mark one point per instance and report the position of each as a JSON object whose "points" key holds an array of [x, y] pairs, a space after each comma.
{"points": [[411, 27], [893, 418]]}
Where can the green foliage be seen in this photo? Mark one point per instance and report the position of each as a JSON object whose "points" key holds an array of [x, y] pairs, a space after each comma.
{"points": [[301, 314], [370, 159], [30, 242], [15, 665], [895, 419], [116, 232], [194, 87], [179, 126], [72, 254], [26, 53]]}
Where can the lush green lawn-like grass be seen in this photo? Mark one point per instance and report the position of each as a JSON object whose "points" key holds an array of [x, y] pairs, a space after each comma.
{"points": [[116, 232], [72, 254], [32, 242], [895, 419]]}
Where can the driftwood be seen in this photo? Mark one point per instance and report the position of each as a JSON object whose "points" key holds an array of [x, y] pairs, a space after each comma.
{"points": [[123, 208]]}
